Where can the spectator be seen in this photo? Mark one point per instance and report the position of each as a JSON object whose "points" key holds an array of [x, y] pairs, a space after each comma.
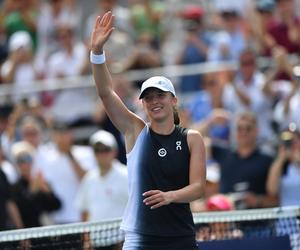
{"points": [[195, 47], [103, 191], [64, 168], [260, 19], [19, 68], [287, 109], [69, 62], [7, 205], [147, 19], [284, 176], [32, 195], [22, 17], [244, 170], [229, 42], [285, 31], [247, 93]]}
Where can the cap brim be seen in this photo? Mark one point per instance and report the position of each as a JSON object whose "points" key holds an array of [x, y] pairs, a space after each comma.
{"points": [[154, 87]]}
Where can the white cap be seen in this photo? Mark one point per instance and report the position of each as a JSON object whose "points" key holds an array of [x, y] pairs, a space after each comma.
{"points": [[22, 147], [20, 39], [104, 138], [159, 82]]}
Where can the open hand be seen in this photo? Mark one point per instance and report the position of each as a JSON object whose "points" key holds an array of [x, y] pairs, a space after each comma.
{"points": [[157, 198], [101, 32]]}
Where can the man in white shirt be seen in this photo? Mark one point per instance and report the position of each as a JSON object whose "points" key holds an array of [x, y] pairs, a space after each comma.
{"points": [[103, 191]]}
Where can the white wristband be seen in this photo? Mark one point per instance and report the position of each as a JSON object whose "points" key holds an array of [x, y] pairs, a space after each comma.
{"points": [[97, 59]]}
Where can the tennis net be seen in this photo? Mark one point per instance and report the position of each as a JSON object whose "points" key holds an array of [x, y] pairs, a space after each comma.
{"points": [[210, 226]]}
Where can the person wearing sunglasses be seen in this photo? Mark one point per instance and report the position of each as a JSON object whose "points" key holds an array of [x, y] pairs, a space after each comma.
{"points": [[244, 169], [32, 194], [103, 192]]}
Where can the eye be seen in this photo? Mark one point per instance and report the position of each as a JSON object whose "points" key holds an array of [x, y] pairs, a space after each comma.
{"points": [[161, 94]]}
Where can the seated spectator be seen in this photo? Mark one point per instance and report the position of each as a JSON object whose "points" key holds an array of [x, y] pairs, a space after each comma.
{"points": [[32, 195], [284, 176], [244, 170]]}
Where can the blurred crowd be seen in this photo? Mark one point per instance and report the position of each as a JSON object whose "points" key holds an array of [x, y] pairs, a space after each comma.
{"points": [[61, 158]]}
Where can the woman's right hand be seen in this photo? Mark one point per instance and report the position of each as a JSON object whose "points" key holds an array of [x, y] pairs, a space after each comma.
{"points": [[101, 32]]}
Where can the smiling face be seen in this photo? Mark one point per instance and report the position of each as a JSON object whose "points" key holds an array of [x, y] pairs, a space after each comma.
{"points": [[246, 131], [158, 104]]}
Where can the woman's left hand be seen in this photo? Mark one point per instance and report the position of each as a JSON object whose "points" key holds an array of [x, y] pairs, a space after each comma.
{"points": [[157, 198]]}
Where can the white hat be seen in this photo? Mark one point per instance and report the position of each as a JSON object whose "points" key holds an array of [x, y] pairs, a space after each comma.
{"points": [[20, 39], [104, 138], [159, 82]]}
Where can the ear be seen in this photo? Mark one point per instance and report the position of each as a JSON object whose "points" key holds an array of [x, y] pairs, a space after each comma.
{"points": [[174, 100]]}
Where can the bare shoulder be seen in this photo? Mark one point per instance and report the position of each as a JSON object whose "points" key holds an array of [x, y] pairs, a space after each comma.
{"points": [[194, 138]]}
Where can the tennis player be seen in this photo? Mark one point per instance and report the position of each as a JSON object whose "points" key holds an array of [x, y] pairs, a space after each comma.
{"points": [[166, 163]]}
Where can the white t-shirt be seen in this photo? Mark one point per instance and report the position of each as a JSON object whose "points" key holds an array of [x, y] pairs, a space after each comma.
{"points": [[58, 171], [104, 197]]}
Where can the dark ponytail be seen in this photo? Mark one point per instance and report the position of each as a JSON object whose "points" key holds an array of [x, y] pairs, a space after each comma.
{"points": [[176, 116]]}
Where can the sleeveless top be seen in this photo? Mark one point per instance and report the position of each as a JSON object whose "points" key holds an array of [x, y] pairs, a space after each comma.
{"points": [[158, 162]]}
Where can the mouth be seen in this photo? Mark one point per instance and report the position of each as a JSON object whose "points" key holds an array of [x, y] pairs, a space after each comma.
{"points": [[156, 109]]}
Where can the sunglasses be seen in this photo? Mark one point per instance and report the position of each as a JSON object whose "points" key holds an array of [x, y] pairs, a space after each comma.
{"points": [[247, 63], [246, 128], [102, 149], [24, 158]]}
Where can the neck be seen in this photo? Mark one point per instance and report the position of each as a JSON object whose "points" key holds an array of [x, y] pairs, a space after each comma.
{"points": [[104, 169], [245, 151], [162, 128]]}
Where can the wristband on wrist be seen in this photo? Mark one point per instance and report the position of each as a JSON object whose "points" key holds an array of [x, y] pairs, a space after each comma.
{"points": [[97, 59]]}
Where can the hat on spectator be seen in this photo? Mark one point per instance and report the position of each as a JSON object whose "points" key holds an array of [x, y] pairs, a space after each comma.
{"points": [[20, 39], [219, 202], [22, 152], [265, 5], [104, 137], [193, 12], [159, 82], [59, 126]]}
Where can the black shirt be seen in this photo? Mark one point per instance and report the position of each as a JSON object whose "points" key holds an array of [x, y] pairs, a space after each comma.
{"points": [[4, 198], [252, 170], [32, 204]]}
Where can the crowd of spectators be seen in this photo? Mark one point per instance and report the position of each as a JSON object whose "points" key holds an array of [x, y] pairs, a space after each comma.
{"points": [[248, 114]]}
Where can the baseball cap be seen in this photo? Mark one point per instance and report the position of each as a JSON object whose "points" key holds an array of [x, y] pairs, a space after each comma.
{"points": [[20, 39], [104, 137], [219, 202], [159, 82], [194, 12]]}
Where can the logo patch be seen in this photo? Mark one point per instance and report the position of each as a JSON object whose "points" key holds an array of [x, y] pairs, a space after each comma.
{"points": [[162, 152], [178, 145]]}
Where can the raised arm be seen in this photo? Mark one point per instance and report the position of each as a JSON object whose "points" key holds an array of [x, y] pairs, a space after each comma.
{"points": [[126, 122]]}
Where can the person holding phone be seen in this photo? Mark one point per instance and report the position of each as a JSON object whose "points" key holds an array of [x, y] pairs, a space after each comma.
{"points": [[166, 162], [284, 176]]}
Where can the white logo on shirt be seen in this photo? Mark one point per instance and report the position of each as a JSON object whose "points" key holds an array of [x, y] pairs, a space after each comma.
{"points": [[162, 152], [178, 145]]}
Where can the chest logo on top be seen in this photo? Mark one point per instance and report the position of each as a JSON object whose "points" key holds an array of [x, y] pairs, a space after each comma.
{"points": [[162, 152], [178, 145]]}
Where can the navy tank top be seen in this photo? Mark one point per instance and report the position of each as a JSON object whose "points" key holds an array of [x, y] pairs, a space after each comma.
{"points": [[158, 162]]}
